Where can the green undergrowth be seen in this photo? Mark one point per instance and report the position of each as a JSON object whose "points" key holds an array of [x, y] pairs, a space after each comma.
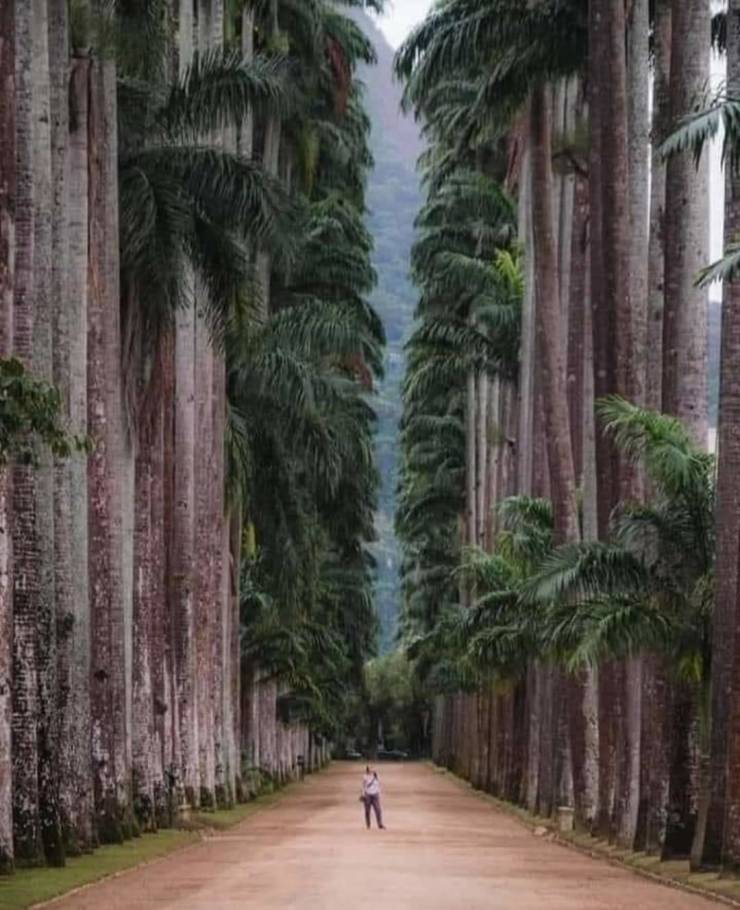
{"points": [[724, 887], [29, 887]]}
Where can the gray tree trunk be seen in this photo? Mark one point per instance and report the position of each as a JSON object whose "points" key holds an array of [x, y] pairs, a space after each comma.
{"points": [[74, 656], [183, 540], [656, 260], [7, 277], [26, 822], [686, 231], [656, 707], [105, 424]]}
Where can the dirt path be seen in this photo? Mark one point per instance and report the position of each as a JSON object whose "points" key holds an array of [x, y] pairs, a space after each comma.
{"points": [[444, 849]]}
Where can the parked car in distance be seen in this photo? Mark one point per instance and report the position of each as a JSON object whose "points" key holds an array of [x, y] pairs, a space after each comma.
{"points": [[392, 755]]}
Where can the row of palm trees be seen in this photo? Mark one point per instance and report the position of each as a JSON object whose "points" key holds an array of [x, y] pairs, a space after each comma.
{"points": [[570, 548], [188, 352]]}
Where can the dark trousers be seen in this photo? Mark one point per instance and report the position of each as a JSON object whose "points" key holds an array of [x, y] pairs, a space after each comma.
{"points": [[374, 802]]}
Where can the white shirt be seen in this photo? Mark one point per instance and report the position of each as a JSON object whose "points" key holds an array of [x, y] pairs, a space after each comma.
{"points": [[371, 785]]}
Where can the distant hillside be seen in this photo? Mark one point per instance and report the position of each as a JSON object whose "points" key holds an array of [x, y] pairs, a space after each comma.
{"points": [[394, 198]]}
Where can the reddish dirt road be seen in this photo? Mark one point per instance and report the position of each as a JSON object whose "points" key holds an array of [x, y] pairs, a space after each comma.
{"points": [[444, 849]]}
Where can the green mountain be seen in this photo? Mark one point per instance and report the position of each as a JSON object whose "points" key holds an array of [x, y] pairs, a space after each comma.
{"points": [[394, 198]]}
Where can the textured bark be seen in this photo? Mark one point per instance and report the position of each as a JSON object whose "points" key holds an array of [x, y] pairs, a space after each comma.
{"points": [[525, 434], [684, 391], [590, 532], [61, 304], [656, 267], [602, 322], [268, 725], [71, 372], [547, 693], [549, 346], [578, 301], [105, 468], [638, 158], [531, 785], [183, 536], [723, 806], [224, 732], [234, 550], [565, 125], [183, 541], [27, 832], [638, 139], [143, 732], [656, 687], [681, 807], [7, 276], [609, 719], [163, 759], [205, 609], [580, 689], [165, 680], [613, 351], [46, 210], [686, 231], [657, 718]]}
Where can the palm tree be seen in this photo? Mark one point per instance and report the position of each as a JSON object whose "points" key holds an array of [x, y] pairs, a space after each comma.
{"points": [[673, 604]]}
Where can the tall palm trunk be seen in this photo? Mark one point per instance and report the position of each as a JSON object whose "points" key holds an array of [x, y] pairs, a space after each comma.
{"points": [[549, 346], [656, 686], [614, 363], [551, 352], [105, 425], [183, 537], [205, 606], [721, 815], [7, 276], [625, 244], [684, 391], [657, 253], [27, 832], [71, 372], [638, 121], [48, 178], [686, 230], [162, 678], [60, 91], [223, 724], [590, 532], [143, 732], [525, 449]]}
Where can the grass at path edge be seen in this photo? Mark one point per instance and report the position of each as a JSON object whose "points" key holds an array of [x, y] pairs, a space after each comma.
{"points": [[28, 888], [724, 888]]}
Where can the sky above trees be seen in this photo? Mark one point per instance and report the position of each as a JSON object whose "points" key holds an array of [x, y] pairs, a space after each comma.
{"points": [[401, 16]]}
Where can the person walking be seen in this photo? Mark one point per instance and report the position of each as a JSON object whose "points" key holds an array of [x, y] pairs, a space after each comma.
{"points": [[371, 797]]}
